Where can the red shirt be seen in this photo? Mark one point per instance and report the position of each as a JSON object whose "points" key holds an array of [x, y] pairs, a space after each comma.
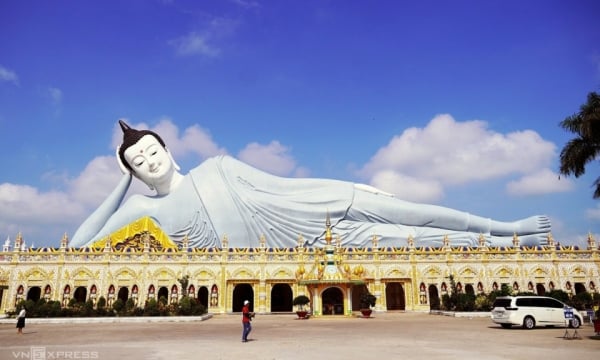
{"points": [[246, 314]]}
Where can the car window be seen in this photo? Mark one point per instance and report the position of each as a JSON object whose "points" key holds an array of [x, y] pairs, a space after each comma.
{"points": [[504, 303], [553, 303], [526, 302]]}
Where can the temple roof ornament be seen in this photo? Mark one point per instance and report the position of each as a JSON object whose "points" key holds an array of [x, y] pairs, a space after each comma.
{"points": [[263, 241], [550, 239], [300, 240], [591, 241], [328, 266], [133, 236], [225, 242], [64, 241], [515, 240]]}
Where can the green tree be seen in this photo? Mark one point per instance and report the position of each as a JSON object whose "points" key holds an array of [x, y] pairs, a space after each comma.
{"points": [[585, 147]]}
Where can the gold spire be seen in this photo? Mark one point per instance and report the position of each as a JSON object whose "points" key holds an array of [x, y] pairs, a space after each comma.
{"points": [[328, 229]]}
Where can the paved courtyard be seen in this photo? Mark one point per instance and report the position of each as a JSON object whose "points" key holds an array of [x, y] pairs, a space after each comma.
{"points": [[386, 336]]}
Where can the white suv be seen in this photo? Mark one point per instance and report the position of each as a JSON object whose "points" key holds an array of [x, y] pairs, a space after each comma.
{"points": [[532, 311]]}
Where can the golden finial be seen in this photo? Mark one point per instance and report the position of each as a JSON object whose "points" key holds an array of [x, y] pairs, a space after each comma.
{"points": [[64, 241], [375, 241], [550, 239], [591, 241], [481, 240], [263, 241], [225, 242], [411, 241], [300, 240], [18, 240], [328, 229], [515, 240]]}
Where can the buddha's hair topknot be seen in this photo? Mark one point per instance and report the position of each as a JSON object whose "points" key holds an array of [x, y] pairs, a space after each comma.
{"points": [[132, 136]]}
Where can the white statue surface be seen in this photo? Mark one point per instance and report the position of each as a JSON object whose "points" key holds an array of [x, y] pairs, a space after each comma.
{"points": [[226, 197]]}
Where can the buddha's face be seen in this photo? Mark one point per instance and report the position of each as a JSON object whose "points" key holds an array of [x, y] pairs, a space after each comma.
{"points": [[149, 160]]}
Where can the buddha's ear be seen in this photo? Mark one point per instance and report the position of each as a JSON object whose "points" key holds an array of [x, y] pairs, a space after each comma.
{"points": [[122, 166], [175, 165]]}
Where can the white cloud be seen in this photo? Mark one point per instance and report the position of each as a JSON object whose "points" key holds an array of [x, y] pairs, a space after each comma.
{"points": [[8, 75], [544, 181], [55, 95], [22, 204], [194, 44], [593, 214], [447, 152], [205, 42], [273, 158]]}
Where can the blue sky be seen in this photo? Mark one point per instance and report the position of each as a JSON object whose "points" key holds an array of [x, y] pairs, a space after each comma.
{"points": [[455, 103]]}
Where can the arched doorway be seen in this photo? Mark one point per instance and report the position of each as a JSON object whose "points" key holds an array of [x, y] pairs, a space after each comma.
{"points": [[332, 301], [540, 289], [163, 294], [394, 296], [469, 289], [434, 297], [203, 296], [281, 298], [242, 292], [357, 292], [80, 294], [579, 288], [123, 294], [34, 293]]}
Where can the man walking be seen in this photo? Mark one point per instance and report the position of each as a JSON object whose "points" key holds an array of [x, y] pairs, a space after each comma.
{"points": [[246, 319]]}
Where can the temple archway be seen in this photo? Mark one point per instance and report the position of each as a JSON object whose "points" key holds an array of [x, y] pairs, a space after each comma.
{"points": [[123, 294], [332, 301], [34, 293], [281, 298], [579, 288], [203, 296], [434, 297], [163, 292], [394, 296], [80, 294], [469, 289], [540, 289], [242, 292], [357, 292]]}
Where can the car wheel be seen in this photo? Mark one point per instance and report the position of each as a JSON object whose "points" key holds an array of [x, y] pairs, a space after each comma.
{"points": [[506, 326], [575, 322], [528, 323]]}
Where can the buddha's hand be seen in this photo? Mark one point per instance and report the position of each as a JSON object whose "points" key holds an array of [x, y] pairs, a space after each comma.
{"points": [[122, 166]]}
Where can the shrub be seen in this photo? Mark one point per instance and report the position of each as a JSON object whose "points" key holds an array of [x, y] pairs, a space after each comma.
{"points": [[151, 308], [301, 301], [118, 306], [367, 300], [101, 303], [185, 306]]}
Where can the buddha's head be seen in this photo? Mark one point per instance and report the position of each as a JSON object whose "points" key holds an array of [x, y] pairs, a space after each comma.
{"points": [[144, 154]]}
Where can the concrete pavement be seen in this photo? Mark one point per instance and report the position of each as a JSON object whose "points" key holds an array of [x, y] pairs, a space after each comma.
{"points": [[386, 336]]}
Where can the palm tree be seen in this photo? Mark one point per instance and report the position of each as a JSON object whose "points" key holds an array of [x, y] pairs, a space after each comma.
{"points": [[586, 146]]}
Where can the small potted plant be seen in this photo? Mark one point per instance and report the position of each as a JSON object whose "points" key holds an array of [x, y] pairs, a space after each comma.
{"points": [[301, 301], [367, 301]]}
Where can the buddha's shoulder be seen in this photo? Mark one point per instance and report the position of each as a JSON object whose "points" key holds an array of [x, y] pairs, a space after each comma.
{"points": [[221, 162]]}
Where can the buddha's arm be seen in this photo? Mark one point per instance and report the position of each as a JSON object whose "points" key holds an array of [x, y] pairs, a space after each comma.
{"points": [[98, 219]]}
